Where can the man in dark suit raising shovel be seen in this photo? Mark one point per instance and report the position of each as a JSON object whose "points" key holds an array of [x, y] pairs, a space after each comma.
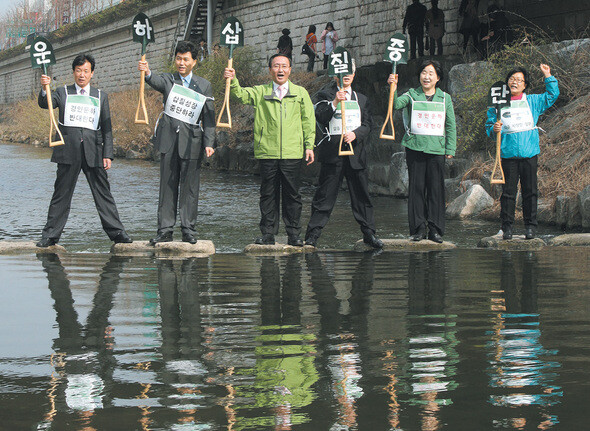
{"points": [[185, 132], [85, 123], [336, 167]]}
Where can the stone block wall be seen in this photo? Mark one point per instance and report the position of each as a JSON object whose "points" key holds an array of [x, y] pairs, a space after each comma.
{"points": [[113, 48], [364, 27]]}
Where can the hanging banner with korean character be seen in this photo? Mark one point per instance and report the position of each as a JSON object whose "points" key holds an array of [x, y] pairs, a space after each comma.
{"points": [[396, 53], [428, 118], [143, 32], [232, 35], [82, 111], [184, 104], [353, 117], [42, 56]]}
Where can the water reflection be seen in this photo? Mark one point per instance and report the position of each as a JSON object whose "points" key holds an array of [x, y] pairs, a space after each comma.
{"points": [[83, 360], [326, 341], [343, 307], [521, 373], [179, 285], [284, 369], [432, 352]]}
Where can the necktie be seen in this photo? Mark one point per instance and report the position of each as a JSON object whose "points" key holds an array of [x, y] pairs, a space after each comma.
{"points": [[82, 91], [185, 82], [281, 92]]}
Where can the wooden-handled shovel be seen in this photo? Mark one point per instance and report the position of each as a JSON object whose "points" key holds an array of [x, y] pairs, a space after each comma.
{"points": [[340, 66], [143, 32], [397, 52], [232, 35], [42, 56], [498, 98]]}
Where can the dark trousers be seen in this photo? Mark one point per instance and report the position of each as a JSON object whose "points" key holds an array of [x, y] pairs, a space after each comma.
{"points": [[439, 46], [326, 58], [310, 62], [280, 179], [63, 190], [524, 169], [179, 191], [419, 39], [330, 180], [426, 194], [474, 34]]}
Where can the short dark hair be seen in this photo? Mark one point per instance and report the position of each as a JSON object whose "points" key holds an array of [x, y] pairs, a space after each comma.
{"points": [[437, 68], [186, 46], [311, 29], [522, 70], [83, 58], [272, 57]]}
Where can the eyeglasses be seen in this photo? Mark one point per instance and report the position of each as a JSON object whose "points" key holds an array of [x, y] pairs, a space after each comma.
{"points": [[518, 81]]}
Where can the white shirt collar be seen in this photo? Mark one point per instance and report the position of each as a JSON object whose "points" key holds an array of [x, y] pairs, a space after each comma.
{"points": [[86, 89], [285, 86]]}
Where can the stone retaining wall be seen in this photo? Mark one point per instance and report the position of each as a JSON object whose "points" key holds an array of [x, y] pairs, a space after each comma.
{"points": [[112, 46], [364, 27]]}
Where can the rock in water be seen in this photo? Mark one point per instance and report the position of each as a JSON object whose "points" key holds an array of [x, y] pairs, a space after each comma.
{"points": [[170, 249], [470, 203], [406, 245], [518, 242]]}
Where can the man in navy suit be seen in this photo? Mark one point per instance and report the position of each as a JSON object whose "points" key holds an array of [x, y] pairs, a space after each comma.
{"points": [[336, 167], [85, 123], [185, 132]]}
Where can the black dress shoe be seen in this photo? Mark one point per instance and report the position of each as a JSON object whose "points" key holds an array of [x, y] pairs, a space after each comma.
{"points": [[507, 232], [295, 241], [46, 242], [419, 236], [161, 237], [372, 241], [529, 232], [311, 240], [435, 237], [189, 237], [266, 239], [122, 237]]}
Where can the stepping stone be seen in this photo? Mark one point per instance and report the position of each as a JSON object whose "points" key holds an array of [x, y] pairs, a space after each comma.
{"points": [[571, 239], [20, 247], [277, 249], [202, 248], [406, 245], [518, 242]]}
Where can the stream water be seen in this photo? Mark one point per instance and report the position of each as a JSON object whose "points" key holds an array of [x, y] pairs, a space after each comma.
{"points": [[466, 339]]}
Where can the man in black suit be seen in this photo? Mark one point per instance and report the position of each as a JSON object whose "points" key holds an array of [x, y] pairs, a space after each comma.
{"points": [[185, 132], [85, 123], [335, 168]]}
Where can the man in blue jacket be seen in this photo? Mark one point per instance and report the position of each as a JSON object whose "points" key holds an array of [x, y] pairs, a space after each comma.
{"points": [[520, 146]]}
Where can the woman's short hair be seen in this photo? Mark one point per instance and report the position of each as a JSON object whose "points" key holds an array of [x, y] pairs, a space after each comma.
{"points": [[522, 70], [437, 68]]}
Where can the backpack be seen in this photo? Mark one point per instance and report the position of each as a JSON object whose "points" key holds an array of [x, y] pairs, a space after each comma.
{"points": [[306, 49]]}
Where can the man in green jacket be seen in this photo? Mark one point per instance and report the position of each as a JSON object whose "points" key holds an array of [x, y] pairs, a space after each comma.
{"points": [[284, 132]]}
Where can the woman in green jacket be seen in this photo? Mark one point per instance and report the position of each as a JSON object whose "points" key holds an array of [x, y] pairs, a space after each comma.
{"points": [[430, 137]]}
